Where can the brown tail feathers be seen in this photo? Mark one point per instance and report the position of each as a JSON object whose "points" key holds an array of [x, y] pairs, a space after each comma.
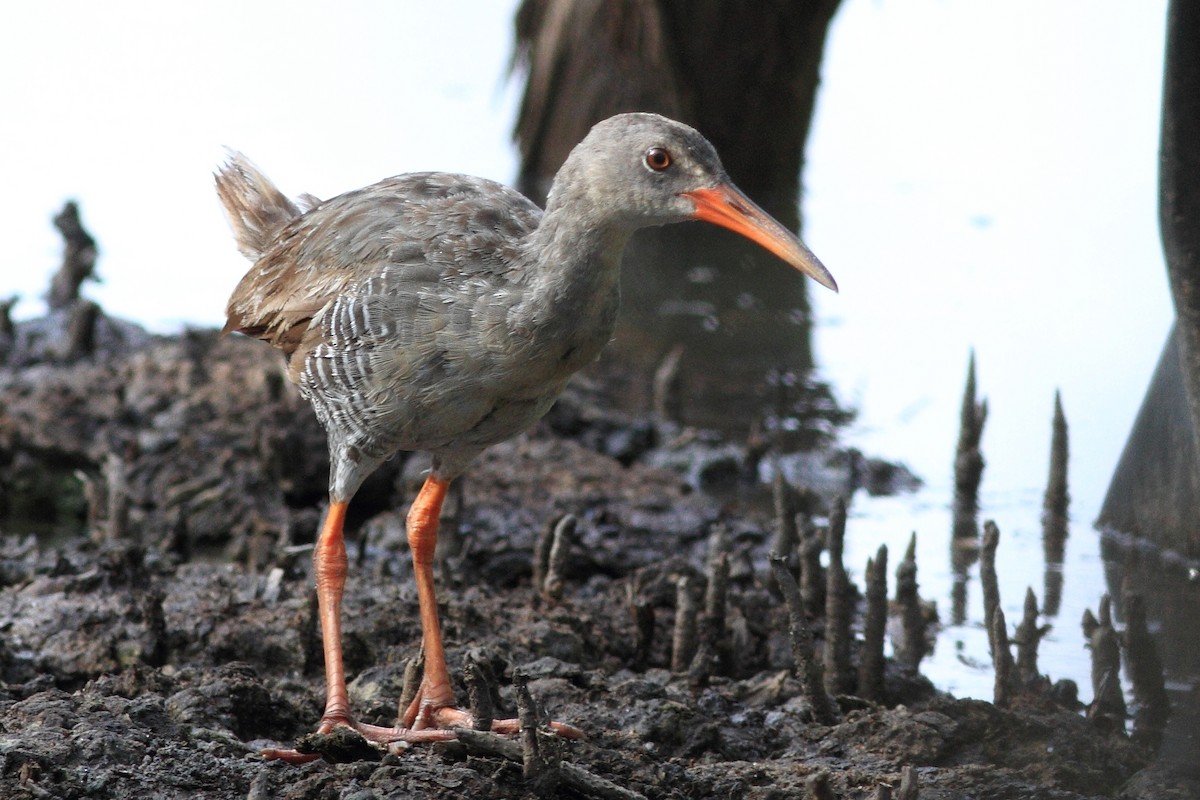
{"points": [[257, 210]]}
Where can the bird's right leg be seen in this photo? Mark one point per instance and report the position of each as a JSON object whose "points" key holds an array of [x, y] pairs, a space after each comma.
{"points": [[329, 569]]}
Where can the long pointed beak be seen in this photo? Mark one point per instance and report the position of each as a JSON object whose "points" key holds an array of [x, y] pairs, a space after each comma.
{"points": [[725, 205]]}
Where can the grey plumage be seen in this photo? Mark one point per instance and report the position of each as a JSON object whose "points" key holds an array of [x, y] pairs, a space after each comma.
{"points": [[445, 312]]}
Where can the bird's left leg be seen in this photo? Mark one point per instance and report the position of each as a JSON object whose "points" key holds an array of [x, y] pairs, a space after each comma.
{"points": [[434, 706]]}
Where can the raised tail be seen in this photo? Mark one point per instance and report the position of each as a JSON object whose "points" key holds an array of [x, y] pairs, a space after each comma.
{"points": [[257, 210]]}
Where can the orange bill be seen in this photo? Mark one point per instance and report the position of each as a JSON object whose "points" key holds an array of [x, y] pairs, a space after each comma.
{"points": [[725, 205]]}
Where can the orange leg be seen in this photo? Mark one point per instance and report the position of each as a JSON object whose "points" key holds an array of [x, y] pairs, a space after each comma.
{"points": [[432, 714], [329, 568], [434, 707], [422, 526]]}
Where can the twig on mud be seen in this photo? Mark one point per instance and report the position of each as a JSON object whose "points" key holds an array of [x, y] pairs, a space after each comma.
{"points": [[1028, 636], [79, 258], [702, 666], [1002, 660], [968, 460], [870, 663], [414, 668], [1055, 517], [988, 583], [559, 556], [1107, 710], [911, 647], [479, 693], [571, 775], [1057, 498], [786, 536], [803, 655], [716, 601], [812, 574], [683, 642], [541, 553], [533, 765], [838, 607]]}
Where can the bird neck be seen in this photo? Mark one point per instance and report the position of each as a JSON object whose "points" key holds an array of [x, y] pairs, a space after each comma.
{"points": [[578, 249]]}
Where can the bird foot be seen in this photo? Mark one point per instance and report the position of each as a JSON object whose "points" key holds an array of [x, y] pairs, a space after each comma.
{"points": [[345, 740], [445, 719]]}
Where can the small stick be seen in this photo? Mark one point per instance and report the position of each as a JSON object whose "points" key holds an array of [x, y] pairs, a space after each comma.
{"points": [[807, 668], [716, 592], [1057, 498], [79, 258], [870, 666], [812, 574], [414, 669], [683, 643], [531, 756], [702, 666], [988, 582], [1107, 710], [1089, 623], [968, 459], [479, 692], [911, 648], [1028, 636], [716, 604], [560, 554], [786, 535], [541, 553], [1002, 660], [716, 598], [571, 775], [838, 607], [1055, 517]]}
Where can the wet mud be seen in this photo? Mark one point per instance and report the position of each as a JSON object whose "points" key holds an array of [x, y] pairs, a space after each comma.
{"points": [[157, 618]]}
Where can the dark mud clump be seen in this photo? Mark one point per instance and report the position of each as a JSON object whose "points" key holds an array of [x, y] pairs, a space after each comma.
{"points": [[159, 503]]}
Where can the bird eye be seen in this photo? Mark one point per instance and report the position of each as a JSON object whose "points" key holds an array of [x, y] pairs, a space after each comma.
{"points": [[657, 159]]}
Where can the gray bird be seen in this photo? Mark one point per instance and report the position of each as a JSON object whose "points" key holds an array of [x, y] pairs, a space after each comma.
{"points": [[445, 313]]}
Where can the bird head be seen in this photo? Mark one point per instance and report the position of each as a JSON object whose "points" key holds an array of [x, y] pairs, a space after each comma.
{"points": [[645, 170]]}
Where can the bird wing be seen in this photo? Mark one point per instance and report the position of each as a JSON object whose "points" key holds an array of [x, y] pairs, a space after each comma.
{"points": [[425, 228]]}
